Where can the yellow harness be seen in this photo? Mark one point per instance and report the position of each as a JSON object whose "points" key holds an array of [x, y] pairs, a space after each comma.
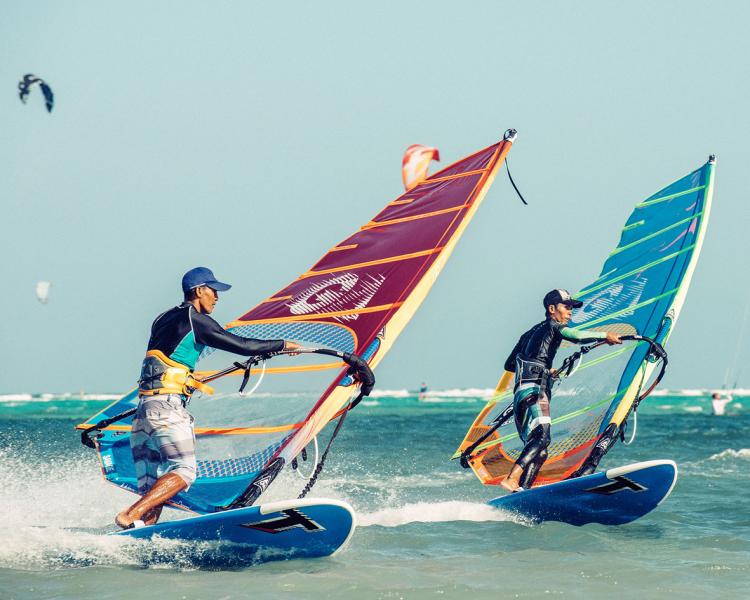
{"points": [[162, 375]]}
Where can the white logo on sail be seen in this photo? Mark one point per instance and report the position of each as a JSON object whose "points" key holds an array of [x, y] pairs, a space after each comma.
{"points": [[342, 292], [615, 298]]}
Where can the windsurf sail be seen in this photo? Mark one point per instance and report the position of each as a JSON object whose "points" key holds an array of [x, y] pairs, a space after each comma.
{"points": [[639, 292], [357, 298]]}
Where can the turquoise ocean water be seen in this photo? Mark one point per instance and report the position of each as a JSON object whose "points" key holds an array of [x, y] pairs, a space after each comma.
{"points": [[424, 530]]}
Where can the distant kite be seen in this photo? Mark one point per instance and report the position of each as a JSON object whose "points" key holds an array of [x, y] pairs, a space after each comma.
{"points": [[29, 81], [42, 291], [415, 164]]}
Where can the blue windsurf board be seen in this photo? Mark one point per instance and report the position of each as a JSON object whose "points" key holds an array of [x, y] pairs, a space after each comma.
{"points": [[304, 528], [612, 497]]}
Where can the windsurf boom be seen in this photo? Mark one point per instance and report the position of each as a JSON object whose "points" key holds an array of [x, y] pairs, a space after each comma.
{"points": [[639, 293], [355, 299]]}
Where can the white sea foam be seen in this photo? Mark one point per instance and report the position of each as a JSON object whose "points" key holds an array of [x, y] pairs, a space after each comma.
{"points": [[743, 453], [431, 395], [401, 482], [57, 515], [42, 503], [699, 393], [452, 394], [433, 512], [450, 400], [462, 393], [680, 393], [392, 393], [16, 397], [51, 397]]}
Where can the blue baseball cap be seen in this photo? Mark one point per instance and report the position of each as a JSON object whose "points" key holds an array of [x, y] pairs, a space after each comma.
{"points": [[201, 276]]}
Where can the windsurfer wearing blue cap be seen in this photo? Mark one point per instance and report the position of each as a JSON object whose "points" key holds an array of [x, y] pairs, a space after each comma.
{"points": [[531, 361], [162, 438]]}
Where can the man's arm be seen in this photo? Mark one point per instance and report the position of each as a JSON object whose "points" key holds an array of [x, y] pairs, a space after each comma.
{"points": [[209, 332], [584, 337]]}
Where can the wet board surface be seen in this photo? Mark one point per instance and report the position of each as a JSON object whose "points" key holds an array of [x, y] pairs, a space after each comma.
{"points": [[279, 530], [612, 497]]}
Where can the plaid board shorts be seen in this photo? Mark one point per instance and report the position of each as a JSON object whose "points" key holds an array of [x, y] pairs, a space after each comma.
{"points": [[162, 440]]}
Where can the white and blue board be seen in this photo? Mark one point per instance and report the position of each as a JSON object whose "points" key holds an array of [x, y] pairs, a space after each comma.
{"points": [[306, 528], [612, 497]]}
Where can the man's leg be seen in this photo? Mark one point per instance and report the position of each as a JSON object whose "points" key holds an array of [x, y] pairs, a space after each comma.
{"points": [[152, 516], [161, 443], [532, 457], [530, 473], [146, 460], [533, 423], [148, 508], [512, 479]]}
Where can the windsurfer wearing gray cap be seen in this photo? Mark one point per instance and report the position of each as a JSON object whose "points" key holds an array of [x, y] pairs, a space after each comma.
{"points": [[531, 361], [162, 438]]}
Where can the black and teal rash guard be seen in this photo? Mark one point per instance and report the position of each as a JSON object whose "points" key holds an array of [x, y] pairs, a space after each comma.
{"points": [[540, 343], [181, 333]]}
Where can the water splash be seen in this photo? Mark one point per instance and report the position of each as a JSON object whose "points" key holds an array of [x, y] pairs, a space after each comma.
{"points": [[434, 512]]}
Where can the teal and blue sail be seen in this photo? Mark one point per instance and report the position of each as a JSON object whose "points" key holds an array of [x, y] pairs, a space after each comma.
{"points": [[641, 290]]}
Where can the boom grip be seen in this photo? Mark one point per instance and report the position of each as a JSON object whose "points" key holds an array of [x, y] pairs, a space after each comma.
{"points": [[362, 371], [358, 367]]}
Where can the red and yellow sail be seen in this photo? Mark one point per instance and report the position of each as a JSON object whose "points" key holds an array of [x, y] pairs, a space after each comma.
{"points": [[357, 298]]}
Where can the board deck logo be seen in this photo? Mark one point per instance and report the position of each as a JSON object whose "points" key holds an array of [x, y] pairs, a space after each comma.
{"points": [[617, 484], [292, 519]]}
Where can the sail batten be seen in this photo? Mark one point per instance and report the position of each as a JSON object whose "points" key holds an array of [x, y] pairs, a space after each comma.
{"points": [[371, 263]]}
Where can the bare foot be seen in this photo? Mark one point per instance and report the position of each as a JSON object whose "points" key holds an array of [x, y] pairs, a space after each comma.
{"points": [[123, 520], [509, 485], [148, 509]]}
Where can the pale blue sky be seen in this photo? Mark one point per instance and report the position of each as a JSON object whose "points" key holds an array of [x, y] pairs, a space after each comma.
{"points": [[251, 137]]}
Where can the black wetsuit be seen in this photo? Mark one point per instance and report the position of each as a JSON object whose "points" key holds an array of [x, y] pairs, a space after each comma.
{"points": [[181, 333], [531, 361]]}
